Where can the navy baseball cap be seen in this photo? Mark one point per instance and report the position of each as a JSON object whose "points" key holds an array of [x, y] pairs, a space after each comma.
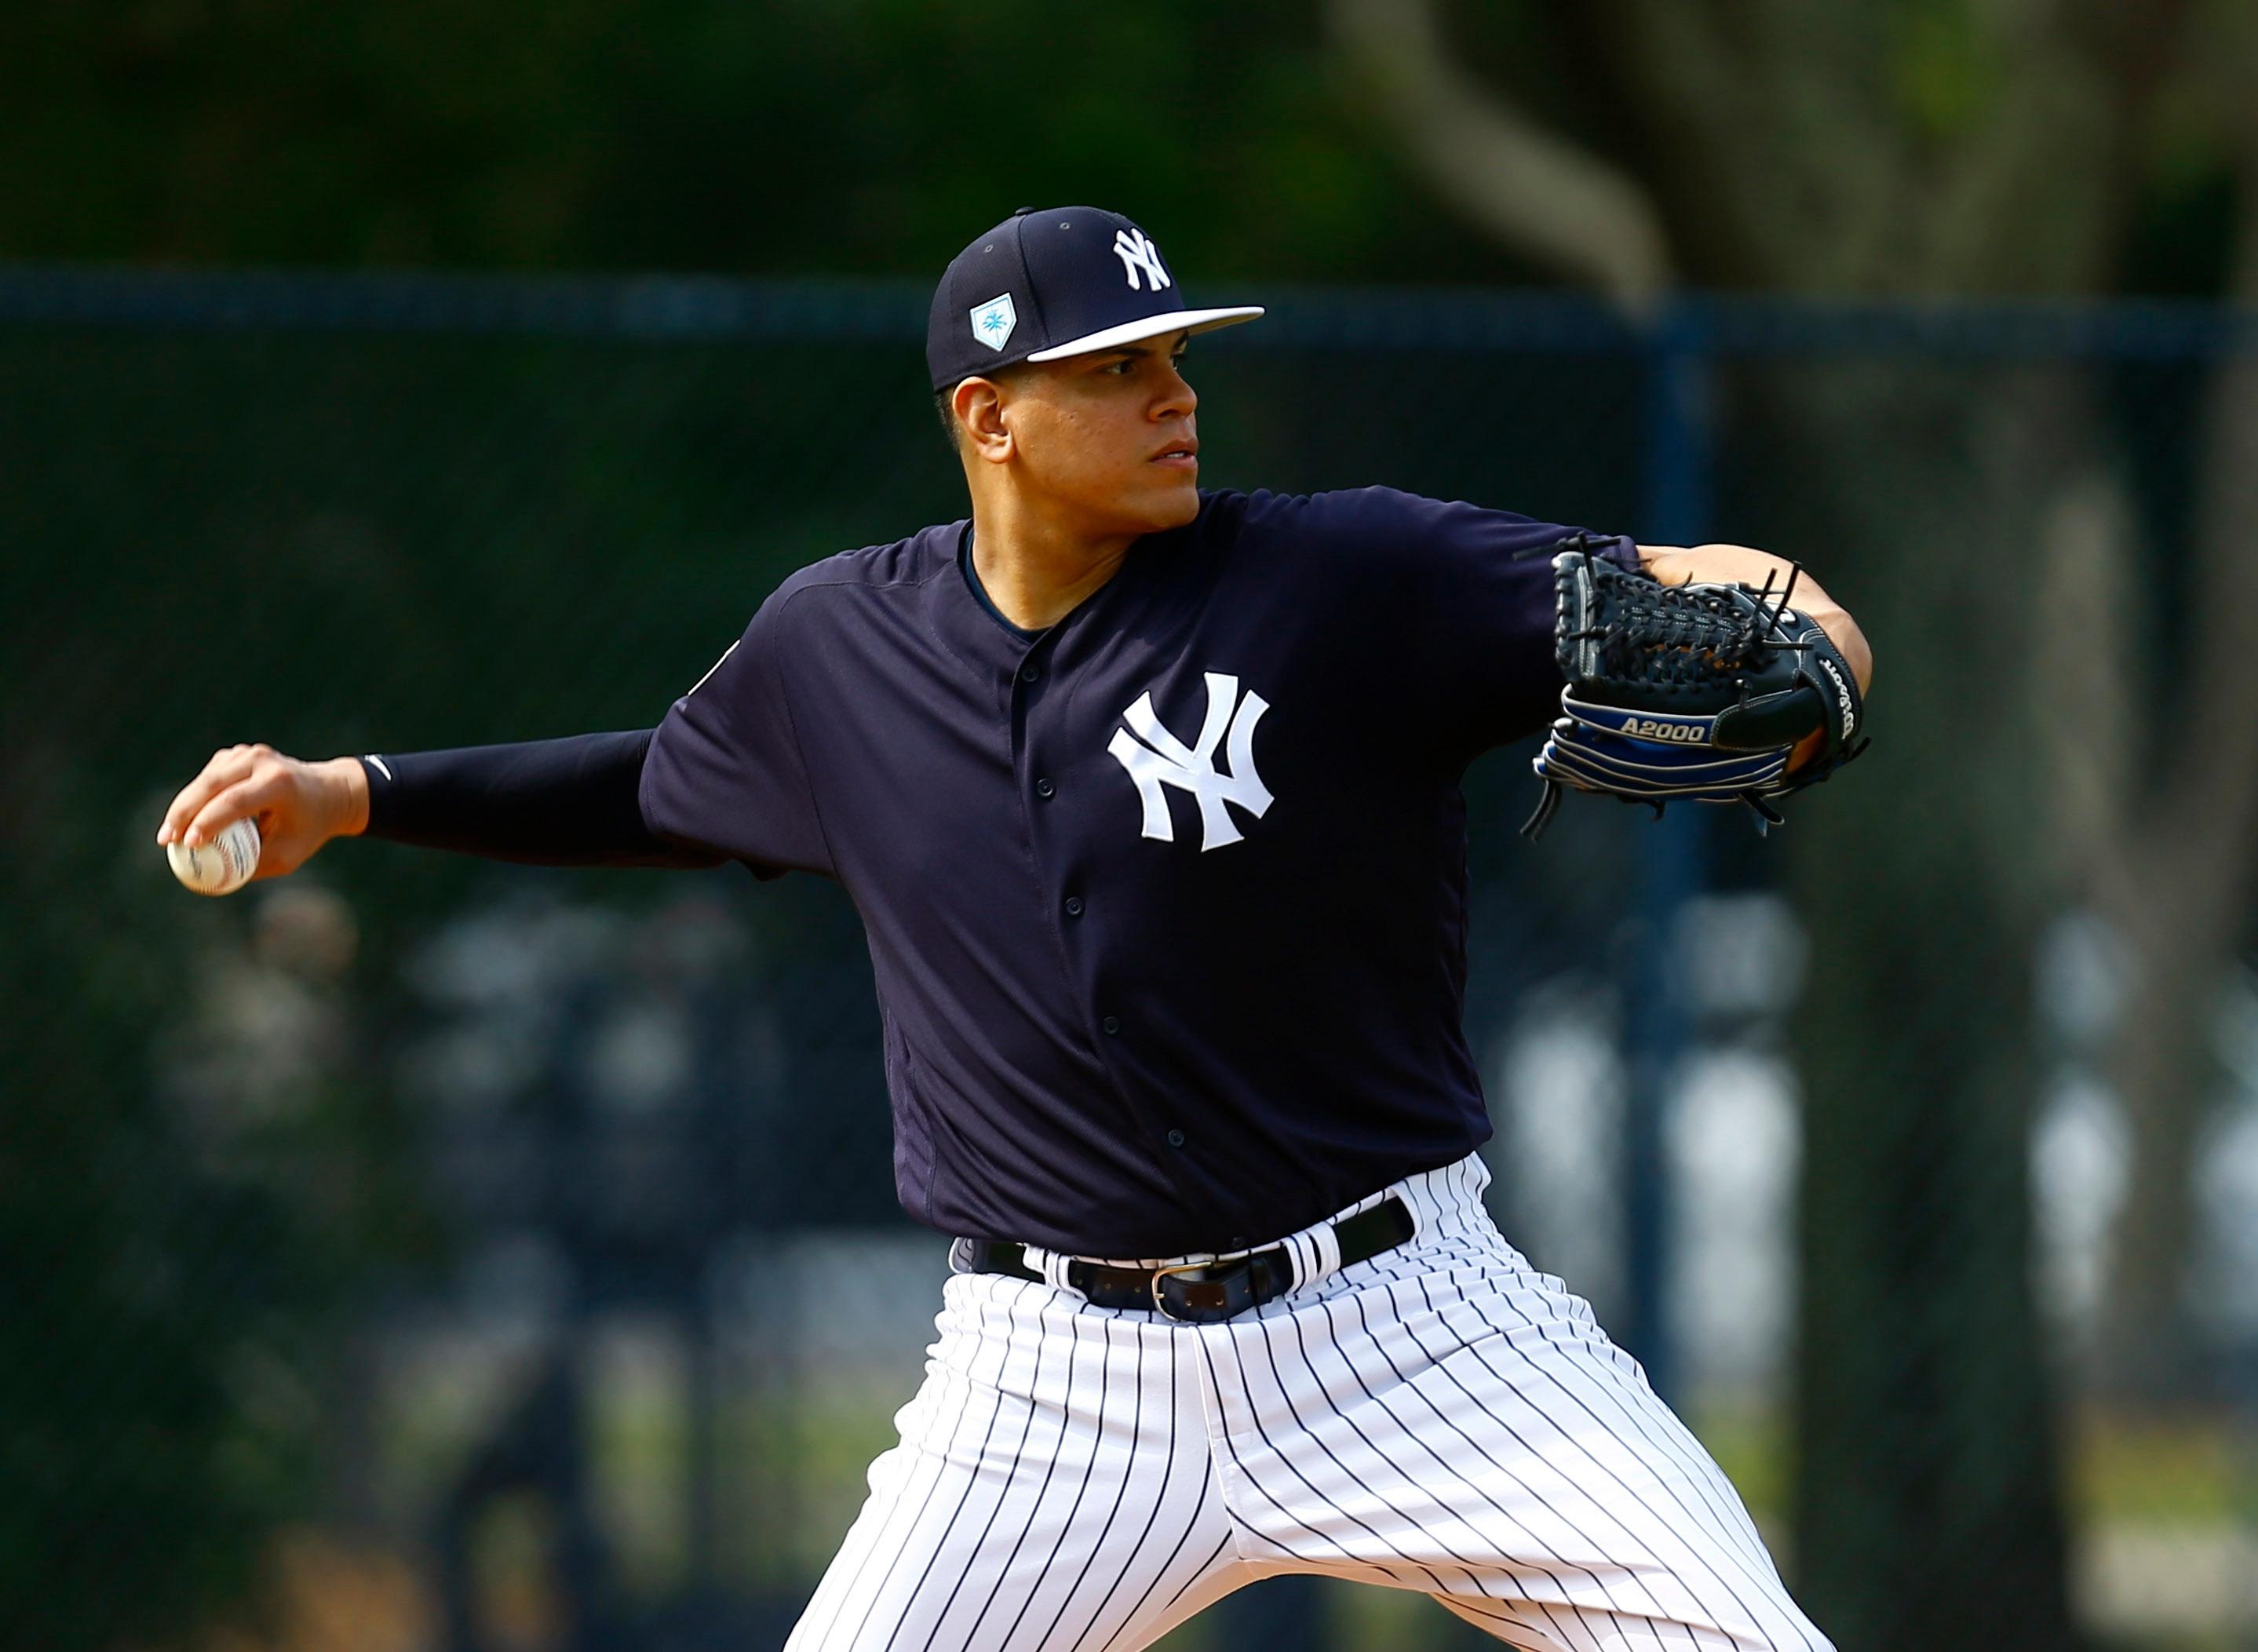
{"points": [[1063, 281]]}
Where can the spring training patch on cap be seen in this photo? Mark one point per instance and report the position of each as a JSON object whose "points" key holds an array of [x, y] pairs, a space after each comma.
{"points": [[993, 322]]}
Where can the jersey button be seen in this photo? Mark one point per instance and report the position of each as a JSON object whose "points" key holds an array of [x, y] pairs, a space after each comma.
{"points": [[1175, 1138], [1074, 906], [1043, 787], [1029, 673], [1112, 1024]]}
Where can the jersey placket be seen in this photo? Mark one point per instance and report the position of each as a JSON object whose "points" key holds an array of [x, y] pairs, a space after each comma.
{"points": [[1037, 752]]}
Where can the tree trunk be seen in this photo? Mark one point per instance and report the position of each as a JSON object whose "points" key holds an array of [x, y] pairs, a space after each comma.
{"points": [[2177, 884], [1927, 1501]]}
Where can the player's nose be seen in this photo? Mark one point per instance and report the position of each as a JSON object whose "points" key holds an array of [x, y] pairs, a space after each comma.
{"points": [[1177, 396]]}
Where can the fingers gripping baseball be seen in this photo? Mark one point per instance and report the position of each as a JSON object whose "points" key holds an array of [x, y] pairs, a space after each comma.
{"points": [[298, 806]]}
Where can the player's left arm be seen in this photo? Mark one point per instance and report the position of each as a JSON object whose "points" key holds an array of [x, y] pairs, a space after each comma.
{"points": [[1741, 564]]}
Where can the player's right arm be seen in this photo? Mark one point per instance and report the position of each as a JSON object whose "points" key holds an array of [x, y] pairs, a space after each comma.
{"points": [[720, 779], [570, 802]]}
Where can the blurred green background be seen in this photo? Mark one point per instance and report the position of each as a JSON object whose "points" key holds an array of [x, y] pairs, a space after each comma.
{"points": [[420, 1254]]}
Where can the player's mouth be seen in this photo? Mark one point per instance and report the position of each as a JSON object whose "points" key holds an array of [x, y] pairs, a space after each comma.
{"points": [[1179, 456]]}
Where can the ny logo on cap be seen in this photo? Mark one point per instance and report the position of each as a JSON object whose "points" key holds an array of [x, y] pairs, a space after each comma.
{"points": [[1137, 253], [993, 321]]}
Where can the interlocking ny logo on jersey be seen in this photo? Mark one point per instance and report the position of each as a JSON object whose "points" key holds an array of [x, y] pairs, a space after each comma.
{"points": [[1137, 253], [993, 322], [1156, 759]]}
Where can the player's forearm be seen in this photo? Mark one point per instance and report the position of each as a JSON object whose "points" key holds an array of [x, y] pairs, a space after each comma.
{"points": [[1741, 564], [570, 802]]}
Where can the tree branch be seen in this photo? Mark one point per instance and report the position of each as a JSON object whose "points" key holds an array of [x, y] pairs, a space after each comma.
{"points": [[1532, 190]]}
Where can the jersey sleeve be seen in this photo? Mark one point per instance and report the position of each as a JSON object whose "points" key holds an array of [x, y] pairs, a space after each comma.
{"points": [[726, 771], [1463, 595]]}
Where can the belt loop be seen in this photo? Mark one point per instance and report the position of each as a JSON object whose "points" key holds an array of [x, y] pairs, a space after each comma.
{"points": [[1314, 1254], [1051, 1265]]}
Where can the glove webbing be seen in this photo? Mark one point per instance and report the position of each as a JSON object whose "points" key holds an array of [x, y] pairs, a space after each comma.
{"points": [[1677, 634]]}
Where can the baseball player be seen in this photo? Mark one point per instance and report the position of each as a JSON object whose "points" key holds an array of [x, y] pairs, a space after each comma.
{"points": [[1148, 799]]}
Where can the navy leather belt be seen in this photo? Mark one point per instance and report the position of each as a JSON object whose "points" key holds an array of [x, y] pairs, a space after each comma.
{"points": [[1202, 1292]]}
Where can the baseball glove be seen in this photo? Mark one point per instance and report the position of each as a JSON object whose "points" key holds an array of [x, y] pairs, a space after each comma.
{"points": [[1694, 693]]}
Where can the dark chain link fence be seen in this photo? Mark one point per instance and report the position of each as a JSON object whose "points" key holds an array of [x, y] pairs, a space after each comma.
{"points": [[426, 1254]]}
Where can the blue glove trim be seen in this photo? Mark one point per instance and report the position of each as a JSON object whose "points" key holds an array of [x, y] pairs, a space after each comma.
{"points": [[1591, 760]]}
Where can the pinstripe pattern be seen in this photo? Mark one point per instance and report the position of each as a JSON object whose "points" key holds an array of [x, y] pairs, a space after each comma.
{"points": [[1443, 1418]]}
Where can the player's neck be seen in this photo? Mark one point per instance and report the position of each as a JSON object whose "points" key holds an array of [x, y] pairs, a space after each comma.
{"points": [[1036, 567]]}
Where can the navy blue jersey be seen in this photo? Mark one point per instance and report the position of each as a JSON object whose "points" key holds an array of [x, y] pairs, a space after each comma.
{"points": [[1166, 902]]}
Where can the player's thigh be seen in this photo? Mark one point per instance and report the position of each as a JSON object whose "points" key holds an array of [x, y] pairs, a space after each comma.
{"points": [[1614, 1525], [1050, 1491], [1456, 1420]]}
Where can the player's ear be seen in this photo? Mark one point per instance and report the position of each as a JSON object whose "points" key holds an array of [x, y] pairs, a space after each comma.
{"points": [[979, 405]]}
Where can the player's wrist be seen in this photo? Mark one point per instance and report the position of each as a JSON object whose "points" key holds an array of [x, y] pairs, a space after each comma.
{"points": [[346, 783]]}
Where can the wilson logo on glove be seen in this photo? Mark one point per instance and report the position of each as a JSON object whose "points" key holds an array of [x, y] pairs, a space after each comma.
{"points": [[1842, 698]]}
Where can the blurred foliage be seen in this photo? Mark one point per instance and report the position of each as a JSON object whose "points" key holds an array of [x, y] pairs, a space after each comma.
{"points": [[172, 1303], [875, 136], [811, 135]]}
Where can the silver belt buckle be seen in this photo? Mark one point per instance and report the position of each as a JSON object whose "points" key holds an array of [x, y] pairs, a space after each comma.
{"points": [[1161, 1303]]}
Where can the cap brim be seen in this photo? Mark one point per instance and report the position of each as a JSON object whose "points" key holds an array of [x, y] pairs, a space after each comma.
{"points": [[1173, 320]]}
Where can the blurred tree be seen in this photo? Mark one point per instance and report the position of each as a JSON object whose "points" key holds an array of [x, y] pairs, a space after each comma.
{"points": [[1932, 147]]}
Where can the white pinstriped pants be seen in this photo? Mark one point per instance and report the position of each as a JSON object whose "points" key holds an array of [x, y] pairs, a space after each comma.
{"points": [[1443, 1418]]}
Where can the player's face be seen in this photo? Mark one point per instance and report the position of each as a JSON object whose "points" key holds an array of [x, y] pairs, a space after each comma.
{"points": [[1111, 437]]}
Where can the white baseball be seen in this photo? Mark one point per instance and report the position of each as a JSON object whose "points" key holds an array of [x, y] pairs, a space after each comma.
{"points": [[220, 867]]}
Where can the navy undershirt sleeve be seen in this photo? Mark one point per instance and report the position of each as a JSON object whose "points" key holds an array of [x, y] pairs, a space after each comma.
{"points": [[570, 802]]}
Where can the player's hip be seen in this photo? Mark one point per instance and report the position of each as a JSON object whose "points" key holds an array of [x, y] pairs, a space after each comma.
{"points": [[1426, 1237]]}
